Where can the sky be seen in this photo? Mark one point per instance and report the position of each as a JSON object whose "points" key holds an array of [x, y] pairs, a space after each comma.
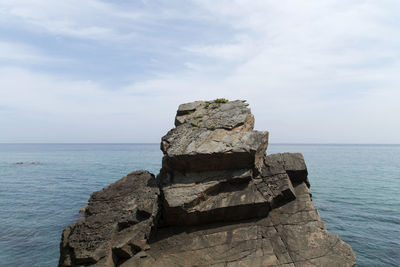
{"points": [[115, 71]]}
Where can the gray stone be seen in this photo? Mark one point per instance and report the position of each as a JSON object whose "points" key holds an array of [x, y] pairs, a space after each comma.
{"points": [[276, 189], [195, 198], [220, 196], [219, 200], [295, 167], [291, 163], [117, 222], [199, 149], [215, 115], [305, 235], [208, 138], [188, 108], [291, 235]]}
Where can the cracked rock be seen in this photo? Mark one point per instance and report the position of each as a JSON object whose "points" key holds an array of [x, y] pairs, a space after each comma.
{"points": [[116, 225], [219, 200]]}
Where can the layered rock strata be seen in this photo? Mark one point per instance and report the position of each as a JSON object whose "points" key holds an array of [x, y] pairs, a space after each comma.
{"points": [[117, 223], [219, 201], [215, 136], [209, 159]]}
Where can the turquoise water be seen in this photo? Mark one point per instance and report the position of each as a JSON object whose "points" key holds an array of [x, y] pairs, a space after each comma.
{"points": [[356, 188]]}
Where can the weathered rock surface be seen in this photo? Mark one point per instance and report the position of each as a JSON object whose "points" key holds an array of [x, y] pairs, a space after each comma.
{"points": [[220, 115], [208, 163], [219, 201], [212, 196], [116, 225], [291, 235], [291, 163], [213, 137], [194, 198]]}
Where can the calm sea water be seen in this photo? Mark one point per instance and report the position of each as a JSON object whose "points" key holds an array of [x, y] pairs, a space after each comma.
{"points": [[356, 189]]}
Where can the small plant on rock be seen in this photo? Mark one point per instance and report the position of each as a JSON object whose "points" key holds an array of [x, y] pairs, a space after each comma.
{"points": [[221, 100], [195, 124], [211, 127]]}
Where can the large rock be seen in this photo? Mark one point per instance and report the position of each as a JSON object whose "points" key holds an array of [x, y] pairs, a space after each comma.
{"points": [[216, 136], [195, 198], [291, 163], [291, 235], [199, 198], [220, 201], [207, 114], [207, 169], [117, 223]]}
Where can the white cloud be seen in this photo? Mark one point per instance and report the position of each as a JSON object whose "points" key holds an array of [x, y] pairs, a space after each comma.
{"points": [[12, 52], [241, 48], [90, 19], [95, 19], [320, 69], [18, 52], [315, 71], [54, 109]]}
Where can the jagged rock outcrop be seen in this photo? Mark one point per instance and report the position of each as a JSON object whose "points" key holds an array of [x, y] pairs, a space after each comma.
{"points": [[117, 223], [291, 235], [208, 165], [216, 136], [220, 200]]}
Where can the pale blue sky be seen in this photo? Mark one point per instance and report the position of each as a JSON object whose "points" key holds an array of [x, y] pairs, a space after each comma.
{"points": [[115, 71]]}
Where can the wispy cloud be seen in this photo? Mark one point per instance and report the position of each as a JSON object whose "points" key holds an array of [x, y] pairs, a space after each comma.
{"points": [[81, 19], [107, 21], [12, 53], [315, 71]]}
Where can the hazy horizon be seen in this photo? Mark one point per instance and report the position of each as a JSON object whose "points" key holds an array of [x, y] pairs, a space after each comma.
{"points": [[153, 143], [101, 71]]}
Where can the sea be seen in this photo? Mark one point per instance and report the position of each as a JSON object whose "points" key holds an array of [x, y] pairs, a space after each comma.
{"points": [[355, 187]]}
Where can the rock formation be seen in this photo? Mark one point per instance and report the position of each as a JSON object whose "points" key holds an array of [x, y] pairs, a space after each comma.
{"points": [[117, 223], [219, 200]]}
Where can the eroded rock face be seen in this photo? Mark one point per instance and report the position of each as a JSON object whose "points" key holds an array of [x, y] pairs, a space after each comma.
{"points": [[291, 235], [206, 197], [215, 115], [291, 163], [216, 136], [208, 163], [195, 198], [117, 223], [220, 200]]}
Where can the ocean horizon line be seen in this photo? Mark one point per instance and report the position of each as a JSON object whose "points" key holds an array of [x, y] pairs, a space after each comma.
{"points": [[154, 143]]}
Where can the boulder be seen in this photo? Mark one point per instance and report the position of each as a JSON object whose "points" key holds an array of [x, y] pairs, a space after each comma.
{"points": [[116, 225], [292, 164], [199, 198], [214, 115], [219, 200], [216, 136], [207, 169], [195, 198]]}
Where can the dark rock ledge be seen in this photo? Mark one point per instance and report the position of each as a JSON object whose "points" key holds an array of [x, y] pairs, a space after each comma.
{"points": [[219, 200]]}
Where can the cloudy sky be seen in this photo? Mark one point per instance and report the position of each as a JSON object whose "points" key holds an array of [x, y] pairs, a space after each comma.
{"points": [[115, 71]]}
